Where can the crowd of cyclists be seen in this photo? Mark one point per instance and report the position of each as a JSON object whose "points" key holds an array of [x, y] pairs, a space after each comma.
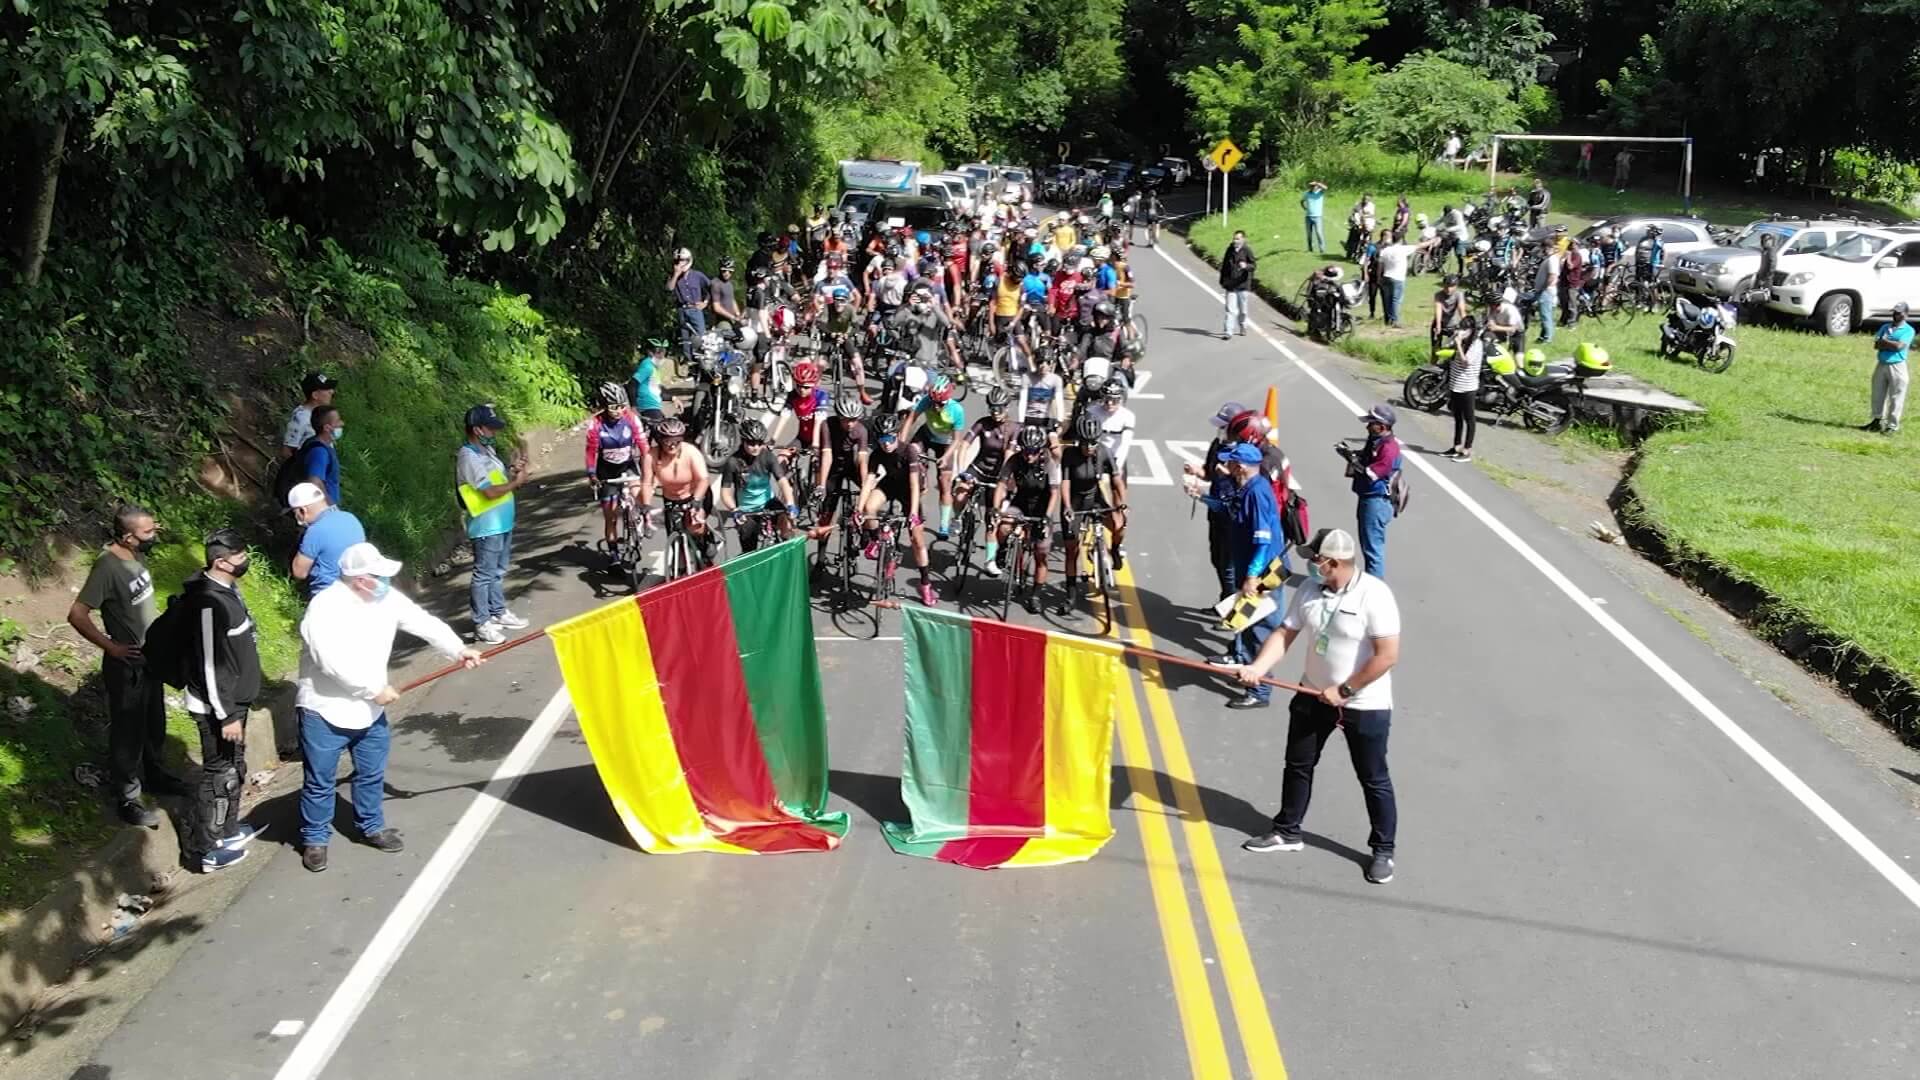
{"points": [[830, 402]]}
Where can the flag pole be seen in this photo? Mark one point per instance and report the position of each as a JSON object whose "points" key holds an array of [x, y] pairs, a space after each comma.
{"points": [[460, 665]]}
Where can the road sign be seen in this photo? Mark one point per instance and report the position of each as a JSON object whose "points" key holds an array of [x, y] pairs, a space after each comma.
{"points": [[1226, 155], [1209, 164]]}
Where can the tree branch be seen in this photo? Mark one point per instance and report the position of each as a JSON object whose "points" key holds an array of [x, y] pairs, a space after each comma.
{"points": [[640, 125], [613, 115]]}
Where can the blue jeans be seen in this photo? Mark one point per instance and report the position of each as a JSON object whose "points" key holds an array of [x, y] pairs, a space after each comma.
{"points": [[693, 327], [1236, 310], [487, 596], [1396, 291], [1316, 239], [1546, 301], [1375, 512], [320, 747]]}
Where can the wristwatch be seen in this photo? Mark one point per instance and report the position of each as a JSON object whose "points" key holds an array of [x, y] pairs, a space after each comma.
{"points": [[1347, 690]]}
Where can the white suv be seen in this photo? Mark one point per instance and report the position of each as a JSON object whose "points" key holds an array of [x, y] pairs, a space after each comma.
{"points": [[1726, 273], [1859, 278]]}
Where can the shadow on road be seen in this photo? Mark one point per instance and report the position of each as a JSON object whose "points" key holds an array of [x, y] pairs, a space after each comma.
{"points": [[1221, 809]]}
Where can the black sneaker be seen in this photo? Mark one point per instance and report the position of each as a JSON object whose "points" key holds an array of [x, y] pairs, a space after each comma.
{"points": [[1449, 452], [387, 840], [1871, 425], [1273, 841], [135, 814], [1031, 601], [1248, 701], [1380, 870], [220, 859], [1223, 660], [1119, 557], [314, 857]]}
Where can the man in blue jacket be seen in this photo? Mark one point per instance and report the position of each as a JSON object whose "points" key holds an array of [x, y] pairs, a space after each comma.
{"points": [[1256, 540]]}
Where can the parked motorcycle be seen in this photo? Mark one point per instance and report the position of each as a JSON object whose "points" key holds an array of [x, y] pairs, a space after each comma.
{"points": [[1700, 331], [1330, 303], [715, 411], [1540, 393]]}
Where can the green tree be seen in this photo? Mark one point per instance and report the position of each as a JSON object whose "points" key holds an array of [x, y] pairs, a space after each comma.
{"points": [[1426, 98], [1265, 73]]}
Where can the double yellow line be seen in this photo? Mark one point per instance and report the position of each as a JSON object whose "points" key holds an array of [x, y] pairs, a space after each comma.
{"points": [[1192, 987]]}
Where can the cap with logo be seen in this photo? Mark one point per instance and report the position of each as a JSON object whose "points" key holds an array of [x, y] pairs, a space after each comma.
{"points": [[484, 416], [318, 380]]}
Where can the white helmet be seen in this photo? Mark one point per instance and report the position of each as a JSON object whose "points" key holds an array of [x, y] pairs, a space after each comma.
{"points": [[1509, 295], [1483, 246], [683, 255], [1102, 253], [1331, 273]]}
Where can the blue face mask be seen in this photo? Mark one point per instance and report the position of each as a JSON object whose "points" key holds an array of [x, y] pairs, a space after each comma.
{"points": [[382, 586], [1313, 572]]}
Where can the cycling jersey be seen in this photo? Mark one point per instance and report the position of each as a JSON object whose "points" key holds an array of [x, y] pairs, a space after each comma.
{"points": [[1084, 469], [615, 444], [1105, 278], [809, 405], [1122, 281], [899, 464], [1006, 297], [921, 333], [1116, 429], [938, 423], [1033, 480], [1034, 288], [992, 436], [849, 439], [752, 478], [646, 386], [1037, 398]]}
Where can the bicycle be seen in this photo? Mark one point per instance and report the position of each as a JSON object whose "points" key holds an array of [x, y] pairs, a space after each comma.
{"points": [[1018, 572], [1133, 326], [750, 527], [1089, 527], [972, 509], [635, 527], [684, 553], [886, 558]]}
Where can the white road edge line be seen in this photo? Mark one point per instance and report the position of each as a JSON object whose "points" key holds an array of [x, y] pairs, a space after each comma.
{"points": [[1798, 788], [317, 1047]]}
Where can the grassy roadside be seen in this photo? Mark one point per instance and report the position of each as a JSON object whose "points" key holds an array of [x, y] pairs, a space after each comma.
{"points": [[1773, 485]]}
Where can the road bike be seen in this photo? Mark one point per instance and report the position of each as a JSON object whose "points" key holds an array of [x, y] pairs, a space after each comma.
{"points": [[1089, 527], [1133, 325], [973, 511], [884, 550], [685, 554], [1026, 532]]}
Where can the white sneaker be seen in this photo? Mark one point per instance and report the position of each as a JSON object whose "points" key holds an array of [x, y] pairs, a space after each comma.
{"points": [[490, 633], [509, 621], [992, 568]]}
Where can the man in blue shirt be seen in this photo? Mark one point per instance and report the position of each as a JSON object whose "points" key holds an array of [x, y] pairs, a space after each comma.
{"points": [[692, 292], [486, 496], [1313, 204], [1255, 540], [327, 531], [317, 462], [1890, 374]]}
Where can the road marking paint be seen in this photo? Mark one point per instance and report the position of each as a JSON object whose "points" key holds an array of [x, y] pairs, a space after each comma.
{"points": [[1760, 755], [1157, 474], [317, 1047], [1139, 391], [1191, 451], [1179, 934], [1249, 1001]]}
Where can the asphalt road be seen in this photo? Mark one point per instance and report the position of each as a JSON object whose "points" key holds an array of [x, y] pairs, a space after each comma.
{"points": [[1595, 879]]}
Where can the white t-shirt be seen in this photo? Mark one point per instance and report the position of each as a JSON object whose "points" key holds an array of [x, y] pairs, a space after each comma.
{"points": [[1351, 621], [1116, 431], [1508, 315], [299, 427], [1393, 261], [1463, 371], [1549, 272]]}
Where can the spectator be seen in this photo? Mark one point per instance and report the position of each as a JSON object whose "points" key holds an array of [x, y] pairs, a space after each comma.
{"points": [[319, 388], [1546, 291], [1371, 467], [1395, 257], [1890, 344], [646, 382], [327, 532], [725, 304], [120, 588], [1370, 271], [1402, 215], [1236, 284], [1449, 307], [1313, 204], [1355, 626], [1453, 227], [317, 462], [1506, 325], [1463, 389], [1573, 275], [220, 665], [692, 292], [1255, 541], [343, 692], [1539, 201], [1219, 488], [1583, 169], [486, 494], [1451, 152], [1622, 170]]}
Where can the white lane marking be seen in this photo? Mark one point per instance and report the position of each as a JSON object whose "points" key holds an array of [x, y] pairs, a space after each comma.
{"points": [[1139, 392], [1156, 466], [1191, 451], [317, 1047], [1773, 766]]}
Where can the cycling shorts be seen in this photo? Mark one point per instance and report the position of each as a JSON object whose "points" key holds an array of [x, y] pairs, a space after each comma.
{"points": [[610, 474]]}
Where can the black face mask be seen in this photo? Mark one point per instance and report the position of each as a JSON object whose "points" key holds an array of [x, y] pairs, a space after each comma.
{"points": [[144, 546]]}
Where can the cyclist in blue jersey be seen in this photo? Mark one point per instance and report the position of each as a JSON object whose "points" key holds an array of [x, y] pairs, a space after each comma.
{"points": [[1649, 255], [750, 480], [932, 424]]}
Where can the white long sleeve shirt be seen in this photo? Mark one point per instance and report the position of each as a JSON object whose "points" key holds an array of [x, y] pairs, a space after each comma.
{"points": [[348, 641]]}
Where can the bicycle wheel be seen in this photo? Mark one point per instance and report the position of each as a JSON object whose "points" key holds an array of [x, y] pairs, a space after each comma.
{"points": [[630, 552], [679, 557], [963, 551], [883, 568], [1103, 579], [1138, 326], [1012, 552], [849, 562]]}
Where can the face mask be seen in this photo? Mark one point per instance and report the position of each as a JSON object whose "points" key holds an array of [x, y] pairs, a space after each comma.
{"points": [[339, 431], [1313, 572], [381, 587], [240, 571], [487, 440], [144, 546]]}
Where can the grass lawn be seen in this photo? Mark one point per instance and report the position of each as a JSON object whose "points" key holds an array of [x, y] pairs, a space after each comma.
{"points": [[1773, 484]]}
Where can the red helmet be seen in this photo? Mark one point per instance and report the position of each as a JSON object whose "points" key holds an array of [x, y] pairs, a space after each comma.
{"points": [[1249, 426], [941, 394], [806, 373]]}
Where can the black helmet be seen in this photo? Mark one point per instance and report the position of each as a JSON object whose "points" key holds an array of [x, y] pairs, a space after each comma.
{"points": [[757, 273], [999, 398], [612, 395], [1033, 438], [762, 240], [1105, 310], [848, 406], [1450, 280], [1655, 230], [1086, 429], [752, 431], [1115, 390], [726, 265], [671, 428], [885, 425]]}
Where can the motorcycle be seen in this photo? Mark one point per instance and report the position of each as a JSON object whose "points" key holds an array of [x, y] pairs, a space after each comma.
{"points": [[1330, 309], [1701, 331], [1541, 395], [715, 412]]}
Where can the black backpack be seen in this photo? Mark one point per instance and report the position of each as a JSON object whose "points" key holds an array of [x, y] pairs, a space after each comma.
{"points": [[164, 652], [289, 473]]}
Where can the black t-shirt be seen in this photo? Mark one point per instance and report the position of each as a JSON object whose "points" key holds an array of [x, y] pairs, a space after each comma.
{"points": [[1033, 479], [848, 438], [900, 463], [992, 436], [723, 295], [1084, 467]]}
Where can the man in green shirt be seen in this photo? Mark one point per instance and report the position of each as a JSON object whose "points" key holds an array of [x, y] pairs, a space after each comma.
{"points": [[120, 588]]}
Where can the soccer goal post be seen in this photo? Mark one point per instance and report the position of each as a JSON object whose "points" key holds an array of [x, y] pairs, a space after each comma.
{"points": [[1685, 143]]}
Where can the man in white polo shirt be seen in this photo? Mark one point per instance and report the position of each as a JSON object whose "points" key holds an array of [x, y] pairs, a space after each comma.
{"points": [[1352, 626]]}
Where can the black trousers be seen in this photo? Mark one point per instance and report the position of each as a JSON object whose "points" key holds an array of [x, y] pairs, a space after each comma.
{"points": [[1220, 550], [216, 802], [1310, 722], [1460, 403], [136, 727]]}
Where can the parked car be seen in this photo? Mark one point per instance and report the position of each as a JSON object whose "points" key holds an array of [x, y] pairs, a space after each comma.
{"points": [[1680, 235], [1856, 280], [1726, 273], [1016, 185], [1119, 177], [1154, 177], [1096, 165], [984, 174], [915, 212], [1178, 170], [855, 206]]}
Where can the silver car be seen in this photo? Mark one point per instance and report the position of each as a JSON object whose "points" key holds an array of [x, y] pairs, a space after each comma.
{"points": [[1726, 273]]}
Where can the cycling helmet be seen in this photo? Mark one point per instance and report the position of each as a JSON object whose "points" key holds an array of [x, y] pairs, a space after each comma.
{"points": [[888, 265], [989, 248], [726, 265], [885, 426], [763, 240], [671, 428], [612, 395], [1420, 219], [848, 406], [752, 431], [999, 398], [1483, 246], [922, 238], [1086, 429], [1032, 439], [1249, 426], [806, 373], [683, 255], [1093, 384], [1102, 253], [658, 343], [1115, 391], [1105, 310], [920, 291], [840, 294], [941, 391], [1034, 265], [1053, 265], [893, 250]]}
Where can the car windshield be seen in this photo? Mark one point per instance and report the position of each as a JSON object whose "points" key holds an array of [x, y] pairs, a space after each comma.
{"points": [[1018, 176], [1855, 247], [1750, 239], [976, 171], [859, 202]]}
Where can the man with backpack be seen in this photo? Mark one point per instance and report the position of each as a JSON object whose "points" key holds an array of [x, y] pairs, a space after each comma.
{"points": [[219, 676], [316, 462], [1374, 468]]}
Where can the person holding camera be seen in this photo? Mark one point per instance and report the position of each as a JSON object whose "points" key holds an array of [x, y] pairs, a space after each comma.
{"points": [[1371, 467]]}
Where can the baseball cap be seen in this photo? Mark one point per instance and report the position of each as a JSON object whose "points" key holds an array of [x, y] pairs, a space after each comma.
{"points": [[1329, 544], [1380, 414], [318, 380], [363, 560], [1244, 453], [1900, 308], [484, 415], [1227, 412], [304, 495]]}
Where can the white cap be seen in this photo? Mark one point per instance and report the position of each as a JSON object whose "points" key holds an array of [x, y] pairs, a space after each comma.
{"points": [[304, 495], [364, 560], [1327, 544]]}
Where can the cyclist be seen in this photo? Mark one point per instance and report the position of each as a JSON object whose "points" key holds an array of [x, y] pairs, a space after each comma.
{"points": [[1043, 397], [931, 426], [843, 463], [991, 434], [1105, 277], [924, 332], [1085, 463], [1649, 255], [646, 382], [617, 460], [1116, 421], [1153, 213], [810, 405], [1030, 482], [1106, 207], [1034, 289], [679, 474], [836, 324], [893, 478], [887, 290], [750, 479]]}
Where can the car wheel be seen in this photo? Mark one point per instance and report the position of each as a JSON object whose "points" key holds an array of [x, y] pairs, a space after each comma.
{"points": [[1834, 314]]}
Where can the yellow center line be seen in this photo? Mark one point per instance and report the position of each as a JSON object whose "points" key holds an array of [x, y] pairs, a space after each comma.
{"points": [[1249, 1002]]}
